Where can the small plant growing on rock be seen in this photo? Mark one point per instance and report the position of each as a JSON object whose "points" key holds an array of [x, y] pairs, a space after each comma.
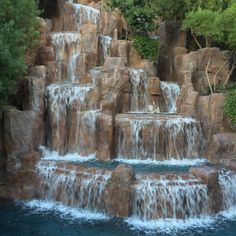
{"points": [[230, 106]]}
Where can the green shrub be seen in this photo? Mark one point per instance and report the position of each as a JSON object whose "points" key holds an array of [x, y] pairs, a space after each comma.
{"points": [[230, 106], [146, 47], [18, 35], [140, 15]]}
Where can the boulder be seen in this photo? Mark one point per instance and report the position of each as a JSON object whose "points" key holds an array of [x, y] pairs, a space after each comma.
{"points": [[105, 127], [197, 63], [113, 62], [223, 145], [34, 94], [45, 54], [210, 177], [23, 132], [120, 48], [118, 193]]}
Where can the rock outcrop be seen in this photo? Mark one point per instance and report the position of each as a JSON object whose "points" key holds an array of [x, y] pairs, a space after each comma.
{"points": [[119, 191]]}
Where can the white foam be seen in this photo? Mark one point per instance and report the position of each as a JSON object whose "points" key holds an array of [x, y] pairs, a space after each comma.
{"points": [[106, 45], [65, 211], [67, 93], [171, 162], [170, 225], [170, 93], [75, 157], [230, 213]]}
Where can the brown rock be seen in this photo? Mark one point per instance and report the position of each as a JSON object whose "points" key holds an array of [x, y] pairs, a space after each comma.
{"points": [[23, 132], [45, 54], [34, 91], [210, 176], [105, 137], [120, 48], [119, 191], [223, 145], [112, 62], [196, 62]]}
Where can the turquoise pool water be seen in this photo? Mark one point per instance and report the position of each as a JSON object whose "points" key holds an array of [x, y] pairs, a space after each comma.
{"points": [[38, 218]]}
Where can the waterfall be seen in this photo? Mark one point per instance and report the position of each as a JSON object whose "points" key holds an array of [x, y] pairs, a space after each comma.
{"points": [[72, 185], [139, 98], [95, 75], [157, 139], [83, 134], [85, 14], [60, 96], [105, 42], [170, 93], [66, 46], [228, 187], [175, 198], [71, 118]]}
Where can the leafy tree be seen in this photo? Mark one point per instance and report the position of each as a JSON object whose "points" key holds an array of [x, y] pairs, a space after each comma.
{"points": [[227, 25], [18, 35], [203, 22], [217, 23]]}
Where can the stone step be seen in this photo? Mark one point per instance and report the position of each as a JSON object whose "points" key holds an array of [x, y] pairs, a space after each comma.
{"points": [[158, 137]]}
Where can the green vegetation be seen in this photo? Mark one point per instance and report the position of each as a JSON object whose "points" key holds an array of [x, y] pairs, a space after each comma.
{"points": [[141, 17], [146, 47], [214, 22], [18, 35], [230, 106]]}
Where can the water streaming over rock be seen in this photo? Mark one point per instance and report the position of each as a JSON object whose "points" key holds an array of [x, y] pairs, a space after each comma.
{"points": [[85, 14], [227, 182], [73, 185], [105, 42], [170, 198], [66, 47], [139, 97], [170, 92], [158, 139], [71, 118]]}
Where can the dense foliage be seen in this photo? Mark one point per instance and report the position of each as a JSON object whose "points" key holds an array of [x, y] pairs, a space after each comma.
{"points": [[140, 15], [214, 22], [18, 34], [230, 106], [146, 47]]}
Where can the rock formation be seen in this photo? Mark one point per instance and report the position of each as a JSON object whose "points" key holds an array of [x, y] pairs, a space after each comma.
{"points": [[90, 95]]}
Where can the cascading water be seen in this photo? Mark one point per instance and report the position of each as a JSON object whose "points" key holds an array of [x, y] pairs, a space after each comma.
{"points": [[227, 182], [170, 93], [72, 186], [85, 14], [105, 42], [175, 198], [70, 116], [157, 139], [139, 97], [67, 47]]}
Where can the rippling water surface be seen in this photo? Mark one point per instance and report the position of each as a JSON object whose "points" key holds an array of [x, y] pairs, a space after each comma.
{"points": [[40, 218]]}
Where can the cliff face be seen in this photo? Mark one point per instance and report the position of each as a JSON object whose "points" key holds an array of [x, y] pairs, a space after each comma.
{"points": [[90, 94], [192, 70]]}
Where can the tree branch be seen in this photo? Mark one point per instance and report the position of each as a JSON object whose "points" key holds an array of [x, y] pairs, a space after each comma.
{"points": [[195, 38], [230, 72], [207, 75], [217, 73]]}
